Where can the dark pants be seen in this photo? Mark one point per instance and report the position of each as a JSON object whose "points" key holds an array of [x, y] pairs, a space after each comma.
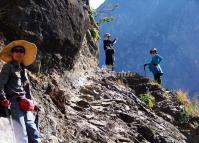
{"points": [[109, 57], [157, 77]]}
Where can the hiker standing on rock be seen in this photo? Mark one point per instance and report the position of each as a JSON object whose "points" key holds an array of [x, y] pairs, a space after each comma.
{"points": [[154, 65], [109, 51], [15, 89]]}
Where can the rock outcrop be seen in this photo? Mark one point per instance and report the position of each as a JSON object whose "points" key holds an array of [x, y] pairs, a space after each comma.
{"points": [[80, 103], [58, 27], [99, 108]]}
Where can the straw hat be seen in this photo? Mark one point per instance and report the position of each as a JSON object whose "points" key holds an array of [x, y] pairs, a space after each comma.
{"points": [[30, 52]]}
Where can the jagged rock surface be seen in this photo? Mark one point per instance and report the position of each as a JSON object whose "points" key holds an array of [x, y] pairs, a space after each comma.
{"points": [[98, 108], [166, 104]]}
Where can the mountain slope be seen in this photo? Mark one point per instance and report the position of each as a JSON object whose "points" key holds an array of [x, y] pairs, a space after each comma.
{"points": [[100, 107], [170, 27]]}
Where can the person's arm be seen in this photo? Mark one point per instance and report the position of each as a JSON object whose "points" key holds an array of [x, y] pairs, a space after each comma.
{"points": [[4, 77], [114, 41], [105, 44], [27, 87], [28, 91], [147, 64], [158, 59]]}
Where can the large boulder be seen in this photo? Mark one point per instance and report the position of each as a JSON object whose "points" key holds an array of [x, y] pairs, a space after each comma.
{"points": [[58, 27]]}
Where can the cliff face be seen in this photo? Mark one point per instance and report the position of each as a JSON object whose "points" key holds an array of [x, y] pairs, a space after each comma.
{"points": [[59, 28], [80, 103]]}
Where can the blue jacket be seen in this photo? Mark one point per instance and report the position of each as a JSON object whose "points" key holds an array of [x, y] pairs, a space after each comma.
{"points": [[154, 65]]}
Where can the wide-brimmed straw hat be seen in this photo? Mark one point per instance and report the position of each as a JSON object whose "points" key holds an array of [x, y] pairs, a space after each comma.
{"points": [[30, 52]]}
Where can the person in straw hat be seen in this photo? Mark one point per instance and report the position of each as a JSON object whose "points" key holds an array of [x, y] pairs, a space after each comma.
{"points": [[15, 89]]}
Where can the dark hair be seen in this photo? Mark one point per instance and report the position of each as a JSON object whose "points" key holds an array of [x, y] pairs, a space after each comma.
{"points": [[154, 50]]}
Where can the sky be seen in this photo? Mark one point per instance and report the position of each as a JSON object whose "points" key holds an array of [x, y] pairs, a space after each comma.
{"points": [[96, 3]]}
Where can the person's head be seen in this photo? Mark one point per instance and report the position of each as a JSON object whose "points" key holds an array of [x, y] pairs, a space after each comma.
{"points": [[18, 53], [21, 51], [107, 36], [153, 51]]}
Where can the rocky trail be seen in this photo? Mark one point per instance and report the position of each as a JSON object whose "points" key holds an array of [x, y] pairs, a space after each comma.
{"points": [[102, 108]]}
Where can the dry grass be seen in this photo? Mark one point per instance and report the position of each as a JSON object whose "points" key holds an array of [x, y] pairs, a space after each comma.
{"points": [[182, 97], [195, 104], [190, 107]]}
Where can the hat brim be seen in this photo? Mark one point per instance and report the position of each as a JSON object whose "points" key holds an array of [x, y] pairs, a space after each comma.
{"points": [[30, 52]]}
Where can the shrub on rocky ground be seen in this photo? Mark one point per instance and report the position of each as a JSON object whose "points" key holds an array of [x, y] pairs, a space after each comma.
{"points": [[148, 99]]}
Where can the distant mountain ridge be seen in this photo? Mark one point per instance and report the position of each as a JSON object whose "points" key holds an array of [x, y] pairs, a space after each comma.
{"points": [[171, 27]]}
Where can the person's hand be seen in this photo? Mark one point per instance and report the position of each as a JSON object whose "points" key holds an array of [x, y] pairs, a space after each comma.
{"points": [[37, 108], [5, 103], [27, 104]]}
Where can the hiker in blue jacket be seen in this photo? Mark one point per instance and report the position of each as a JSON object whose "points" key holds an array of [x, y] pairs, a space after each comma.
{"points": [[154, 65]]}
